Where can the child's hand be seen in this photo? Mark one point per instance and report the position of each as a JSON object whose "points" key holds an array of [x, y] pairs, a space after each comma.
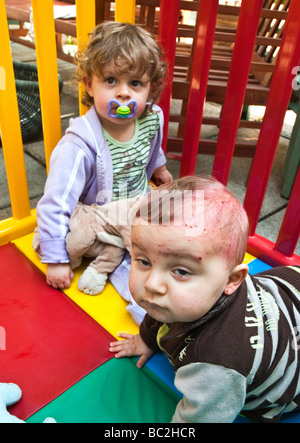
{"points": [[133, 345], [59, 275], [161, 176]]}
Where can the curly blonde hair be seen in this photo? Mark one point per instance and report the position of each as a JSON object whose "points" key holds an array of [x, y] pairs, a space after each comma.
{"points": [[131, 48]]}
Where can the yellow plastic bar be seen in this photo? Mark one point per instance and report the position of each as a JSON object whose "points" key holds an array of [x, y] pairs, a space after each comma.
{"points": [[46, 52], [85, 21], [11, 128], [125, 11], [109, 310], [12, 229]]}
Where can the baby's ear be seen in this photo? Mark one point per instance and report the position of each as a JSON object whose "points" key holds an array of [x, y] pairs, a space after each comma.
{"points": [[153, 94], [87, 81], [236, 278], [153, 88]]}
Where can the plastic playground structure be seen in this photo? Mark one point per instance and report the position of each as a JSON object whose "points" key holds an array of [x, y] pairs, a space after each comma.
{"points": [[55, 345]]}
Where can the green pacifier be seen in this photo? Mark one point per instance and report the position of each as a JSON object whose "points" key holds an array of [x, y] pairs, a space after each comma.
{"points": [[123, 111], [117, 110]]}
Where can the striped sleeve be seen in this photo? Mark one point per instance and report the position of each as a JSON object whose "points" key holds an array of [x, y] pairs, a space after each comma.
{"points": [[274, 381]]}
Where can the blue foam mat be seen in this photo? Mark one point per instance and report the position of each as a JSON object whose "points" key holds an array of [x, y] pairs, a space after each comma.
{"points": [[257, 266]]}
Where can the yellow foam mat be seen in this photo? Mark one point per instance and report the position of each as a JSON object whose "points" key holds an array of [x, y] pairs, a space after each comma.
{"points": [[108, 308], [249, 258]]}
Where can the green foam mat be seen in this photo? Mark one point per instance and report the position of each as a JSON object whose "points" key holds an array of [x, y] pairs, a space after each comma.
{"points": [[116, 392]]}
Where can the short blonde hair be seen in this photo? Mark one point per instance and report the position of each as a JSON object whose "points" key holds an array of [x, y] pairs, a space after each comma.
{"points": [[226, 223], [131, 48]]}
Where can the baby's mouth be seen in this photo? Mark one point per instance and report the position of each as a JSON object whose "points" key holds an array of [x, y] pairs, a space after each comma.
{"points": [[151, 305], [116, 109]]}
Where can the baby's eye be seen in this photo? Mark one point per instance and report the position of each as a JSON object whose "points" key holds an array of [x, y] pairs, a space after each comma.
{"points": [[181, 272], [136, 83], [144, 263], [111, 81]]}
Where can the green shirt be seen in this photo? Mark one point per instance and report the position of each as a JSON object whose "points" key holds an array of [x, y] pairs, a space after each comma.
{"points": [[130, 158]]}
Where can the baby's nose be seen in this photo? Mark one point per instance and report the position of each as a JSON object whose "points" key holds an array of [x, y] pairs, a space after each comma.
{"points": [[155, 283], [123, 92]]}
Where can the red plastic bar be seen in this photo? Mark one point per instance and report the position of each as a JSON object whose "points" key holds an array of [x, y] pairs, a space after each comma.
{"points": [[236, 87], [290, 228], [265, 250], [207, 19], [167, 35], [277, 104]]}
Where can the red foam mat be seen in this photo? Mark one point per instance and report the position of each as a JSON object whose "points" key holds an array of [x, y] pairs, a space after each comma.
{"points": [[47, 342]]}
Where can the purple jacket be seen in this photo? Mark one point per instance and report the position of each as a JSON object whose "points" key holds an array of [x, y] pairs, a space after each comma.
{"points": [[80, 170]]}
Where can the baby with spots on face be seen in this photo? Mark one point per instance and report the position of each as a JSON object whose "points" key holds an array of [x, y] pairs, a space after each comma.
{"points": [[206, 313]]}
